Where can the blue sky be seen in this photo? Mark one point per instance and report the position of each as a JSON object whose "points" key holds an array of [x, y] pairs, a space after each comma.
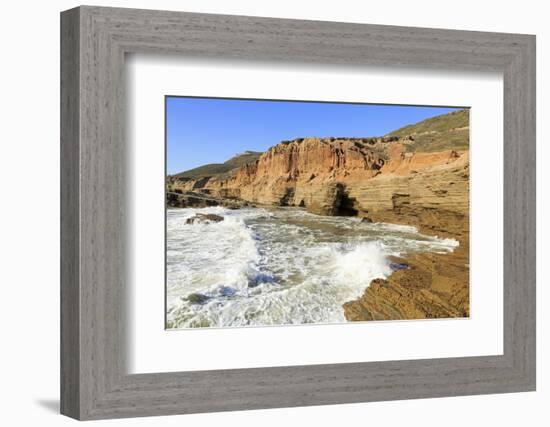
{"points": [[209, 130]]}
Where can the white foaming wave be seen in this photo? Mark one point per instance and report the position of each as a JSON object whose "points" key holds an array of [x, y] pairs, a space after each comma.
{"points": [[258, 268], [333, 274], [208, 257], [184, 214], [365, 262], [401, 245], [400, 228], [438, 244]]}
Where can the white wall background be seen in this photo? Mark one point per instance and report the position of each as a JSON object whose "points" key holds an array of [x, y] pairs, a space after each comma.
{"points": [[29, 224]]}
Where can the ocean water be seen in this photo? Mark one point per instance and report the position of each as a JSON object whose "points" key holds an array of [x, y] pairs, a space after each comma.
{"points": [[277, 266]]}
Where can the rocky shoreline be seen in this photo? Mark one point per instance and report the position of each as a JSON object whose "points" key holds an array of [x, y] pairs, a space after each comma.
{"points": [[432, 285], [423, 285]]}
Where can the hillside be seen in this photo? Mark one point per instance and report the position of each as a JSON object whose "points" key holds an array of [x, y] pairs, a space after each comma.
{"points": [[448, 131], [220, 169]]}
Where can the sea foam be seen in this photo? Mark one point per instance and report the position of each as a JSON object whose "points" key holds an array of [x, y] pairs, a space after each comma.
{"points": [[277, 266]]}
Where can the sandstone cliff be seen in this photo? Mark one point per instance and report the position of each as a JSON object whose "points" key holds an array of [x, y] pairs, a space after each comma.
{"points": [[336, 176]]}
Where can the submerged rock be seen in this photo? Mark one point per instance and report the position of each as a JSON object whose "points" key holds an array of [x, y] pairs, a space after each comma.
{"points": [[204, 218], [399, 266], [226, 291], [260, 278], [197, 298]]}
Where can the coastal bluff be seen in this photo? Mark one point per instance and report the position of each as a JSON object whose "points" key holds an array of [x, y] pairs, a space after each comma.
{"points": [[417, 175]]}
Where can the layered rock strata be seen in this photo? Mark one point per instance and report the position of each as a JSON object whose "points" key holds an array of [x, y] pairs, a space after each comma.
{"points": [[377, 178]]}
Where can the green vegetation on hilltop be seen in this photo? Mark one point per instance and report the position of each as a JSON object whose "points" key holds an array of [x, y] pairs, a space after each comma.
{"points": [[242, 159], [219, 169], [445, 132], [456, 119]]}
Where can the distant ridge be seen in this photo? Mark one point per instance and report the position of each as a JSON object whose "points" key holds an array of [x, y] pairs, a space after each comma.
{"points": [[220, 169]]}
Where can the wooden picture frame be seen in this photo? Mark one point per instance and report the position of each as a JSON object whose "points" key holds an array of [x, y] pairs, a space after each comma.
{"points": [[94, 382]]}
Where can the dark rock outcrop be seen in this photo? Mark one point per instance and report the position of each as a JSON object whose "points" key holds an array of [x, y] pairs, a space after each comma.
{"points": [[201, 218], [197, 298]]}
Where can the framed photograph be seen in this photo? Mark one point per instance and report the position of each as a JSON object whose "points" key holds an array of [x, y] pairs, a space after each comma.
{"points": [[262, 213], [316, 229]]}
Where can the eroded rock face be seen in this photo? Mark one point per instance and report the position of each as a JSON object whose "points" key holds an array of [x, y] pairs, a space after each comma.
{"points": [[353, 176]]}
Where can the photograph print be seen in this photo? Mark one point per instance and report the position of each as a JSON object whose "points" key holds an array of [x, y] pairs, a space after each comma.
{"points": [[303, 212]]}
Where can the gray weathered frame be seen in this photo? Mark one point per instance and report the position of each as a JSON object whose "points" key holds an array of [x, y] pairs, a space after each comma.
{"points": [[94, 41]]}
